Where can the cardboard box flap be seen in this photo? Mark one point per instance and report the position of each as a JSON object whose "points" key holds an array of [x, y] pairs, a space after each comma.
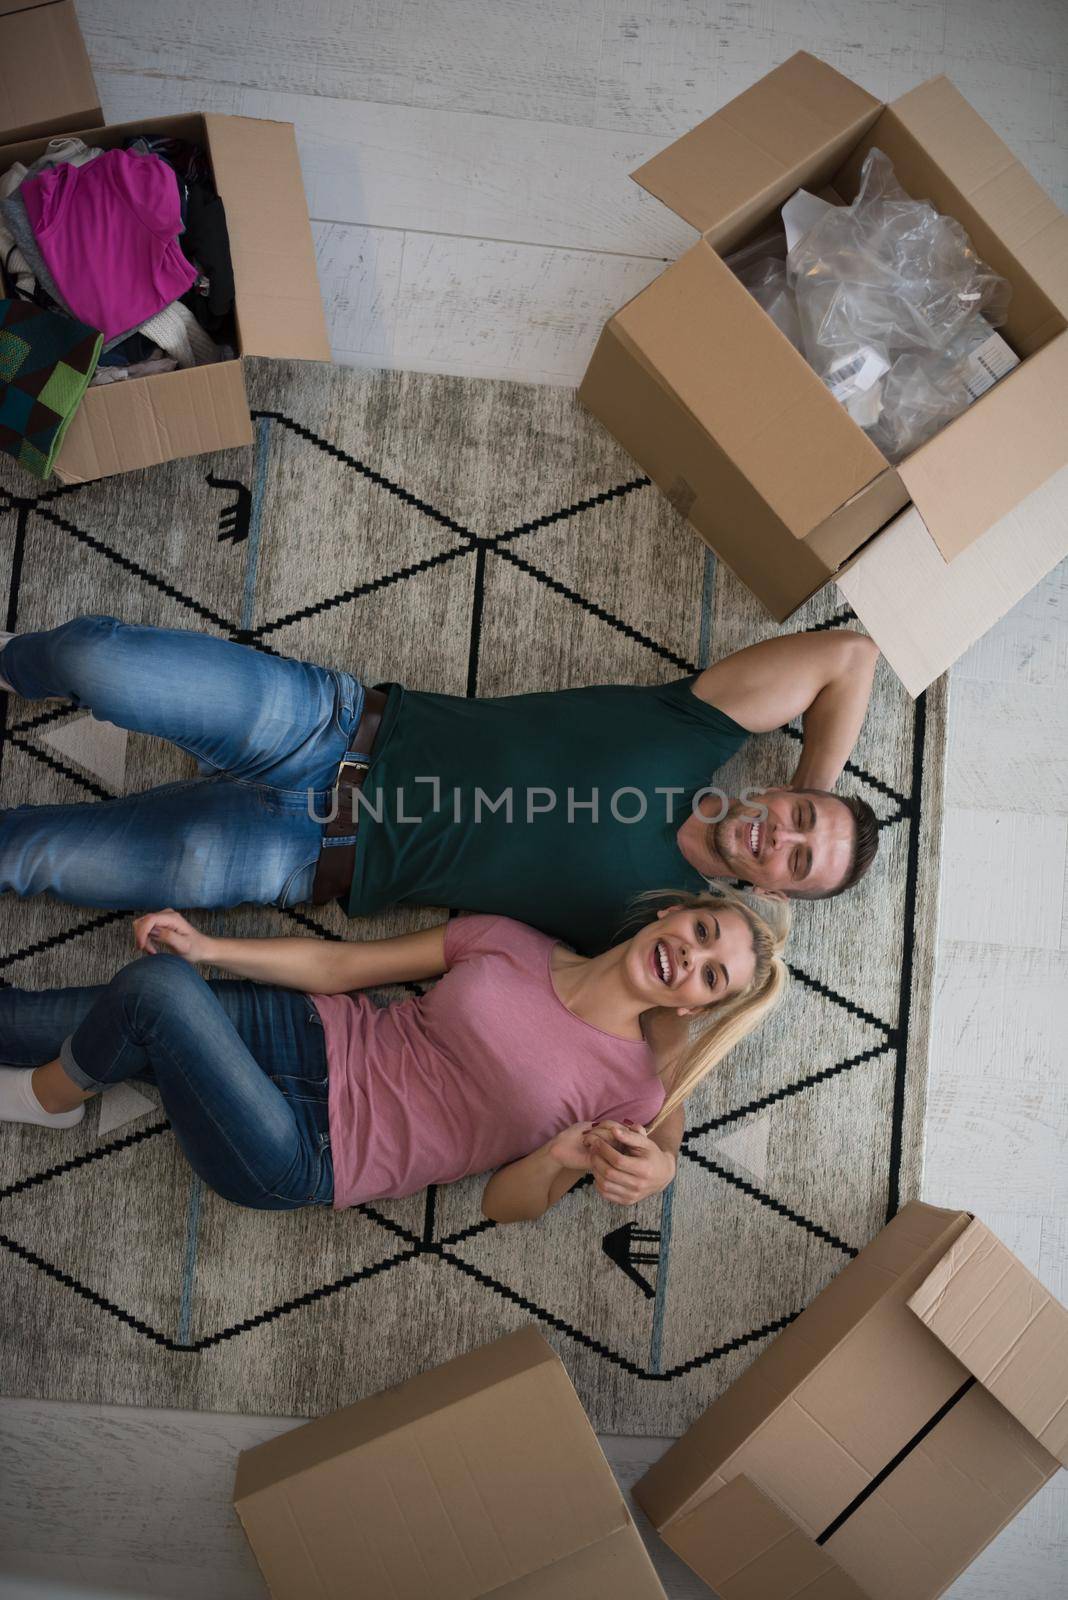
{"points": [[713, 346], [46, 82], [923, 611], [257, 173], [747, 1548], [763, 143], [1003, 447], [121, 426], [367, 1420], [615, 1568], [920, 1525], [1000, 1323], [915, 1238], [986, 173]]}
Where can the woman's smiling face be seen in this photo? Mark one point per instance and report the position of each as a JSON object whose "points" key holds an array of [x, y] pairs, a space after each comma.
{"points": [[689, 958]]}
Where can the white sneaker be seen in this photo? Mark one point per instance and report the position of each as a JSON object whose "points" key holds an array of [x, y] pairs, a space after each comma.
{"points": [[18, 1103]]}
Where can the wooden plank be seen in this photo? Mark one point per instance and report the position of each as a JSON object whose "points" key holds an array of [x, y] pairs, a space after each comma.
{"points": [[1008, 748], [359, 277], [127, 1498], [1029, 645], [146, 1478], [445, 171], [1001, 1013], [597, 63], [520, 60], [471, 306], [1023, 1123], [1007, 875]]}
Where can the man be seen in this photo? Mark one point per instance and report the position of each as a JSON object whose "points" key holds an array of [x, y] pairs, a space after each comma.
{"points": [[555, 808]]}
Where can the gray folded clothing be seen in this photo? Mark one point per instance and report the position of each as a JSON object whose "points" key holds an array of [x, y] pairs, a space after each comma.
{"points": [[13, 210]]}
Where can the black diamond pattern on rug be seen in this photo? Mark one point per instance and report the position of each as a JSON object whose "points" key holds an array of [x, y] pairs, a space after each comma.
{"points": [[791, 1160]]}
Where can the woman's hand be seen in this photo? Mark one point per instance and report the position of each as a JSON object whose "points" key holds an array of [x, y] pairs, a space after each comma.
{"points": [[169, 930], [569, 1148], [625, 1176]]}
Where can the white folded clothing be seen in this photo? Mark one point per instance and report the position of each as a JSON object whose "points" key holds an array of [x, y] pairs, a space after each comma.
{"points": [[177, 331]]}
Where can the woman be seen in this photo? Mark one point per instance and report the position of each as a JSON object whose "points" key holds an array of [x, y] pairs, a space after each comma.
{"points": [[291, 1091]]}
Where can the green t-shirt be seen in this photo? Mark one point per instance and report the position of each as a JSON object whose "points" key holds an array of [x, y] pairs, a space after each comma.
{"points": [[541, 856]]}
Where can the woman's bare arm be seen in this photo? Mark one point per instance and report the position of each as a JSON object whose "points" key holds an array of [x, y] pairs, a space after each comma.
{"points": [[668, 1134], [525, 1189], [317, 966]]}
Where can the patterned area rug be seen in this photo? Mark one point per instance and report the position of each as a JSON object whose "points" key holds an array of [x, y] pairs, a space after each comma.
{"points": [[473, 537]]}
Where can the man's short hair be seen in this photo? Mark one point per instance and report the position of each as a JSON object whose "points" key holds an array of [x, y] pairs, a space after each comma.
{"points": [[865, 843]]}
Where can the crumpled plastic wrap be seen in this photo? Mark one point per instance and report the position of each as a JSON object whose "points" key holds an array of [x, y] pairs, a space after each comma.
{"points": [[767, 282], [889, 298]]}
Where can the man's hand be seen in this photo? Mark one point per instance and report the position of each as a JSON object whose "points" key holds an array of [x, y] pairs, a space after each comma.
{"points": [[627, 1166], [169, 931]]}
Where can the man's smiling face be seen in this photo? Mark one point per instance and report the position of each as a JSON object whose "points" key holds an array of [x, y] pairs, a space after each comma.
{"points": [[803, 845]]}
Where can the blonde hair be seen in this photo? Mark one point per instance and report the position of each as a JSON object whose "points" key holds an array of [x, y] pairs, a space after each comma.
{"points": [[725, 1025]]}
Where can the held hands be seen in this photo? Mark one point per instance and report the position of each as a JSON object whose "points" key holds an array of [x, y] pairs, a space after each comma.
{"points": [[569, 1148], [627, 1165], [169, 931]]}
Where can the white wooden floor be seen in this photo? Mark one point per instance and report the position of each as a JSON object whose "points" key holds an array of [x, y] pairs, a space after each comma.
{"points": [[466, 164]]}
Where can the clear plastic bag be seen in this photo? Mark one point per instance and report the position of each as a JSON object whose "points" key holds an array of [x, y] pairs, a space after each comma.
{"points": [[889, 293], [767, 282], [920, 393], [890, 270], [772, 243]]}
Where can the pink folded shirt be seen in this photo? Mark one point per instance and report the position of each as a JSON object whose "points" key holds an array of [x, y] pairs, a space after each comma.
{"points": [[485, 1067], [108, 233]]}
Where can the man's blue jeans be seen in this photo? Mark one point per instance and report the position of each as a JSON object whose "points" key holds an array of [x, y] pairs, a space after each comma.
{"points": [[241, 1069], [271, 731]]}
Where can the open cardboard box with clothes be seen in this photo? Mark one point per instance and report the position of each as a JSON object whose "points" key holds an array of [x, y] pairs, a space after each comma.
{"points": [[46, 88], [696, 381]]}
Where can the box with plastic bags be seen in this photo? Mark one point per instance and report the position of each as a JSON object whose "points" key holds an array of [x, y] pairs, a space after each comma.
{"points": [[889, 304], [703, 379]]}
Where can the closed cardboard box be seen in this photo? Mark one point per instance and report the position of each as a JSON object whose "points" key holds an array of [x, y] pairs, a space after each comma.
{"points": [[880, 1442], [729, 420], [46, 88], [482, 1477]]}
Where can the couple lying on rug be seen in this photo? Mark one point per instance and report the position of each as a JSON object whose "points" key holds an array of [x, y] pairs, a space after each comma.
{"points": [[547, 1050]]}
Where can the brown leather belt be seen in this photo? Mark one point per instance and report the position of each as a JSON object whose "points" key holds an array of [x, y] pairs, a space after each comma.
{"points": [[333, 875]]}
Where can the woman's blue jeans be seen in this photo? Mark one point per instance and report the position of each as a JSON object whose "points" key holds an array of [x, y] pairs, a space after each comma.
{"points": [[270, 731], [241, 1069]]}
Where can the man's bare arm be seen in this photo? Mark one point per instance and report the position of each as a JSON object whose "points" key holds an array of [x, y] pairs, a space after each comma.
{"points": [[824, 678]]}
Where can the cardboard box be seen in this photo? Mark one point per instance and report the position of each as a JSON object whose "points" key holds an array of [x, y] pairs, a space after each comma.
{"points": [[884, 1439], [482, 1477], [46, 82], [729, 420], [46, 87]]}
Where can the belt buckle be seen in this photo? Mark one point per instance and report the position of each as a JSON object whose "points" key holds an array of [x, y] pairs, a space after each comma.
{"points": [[350, 760]]}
